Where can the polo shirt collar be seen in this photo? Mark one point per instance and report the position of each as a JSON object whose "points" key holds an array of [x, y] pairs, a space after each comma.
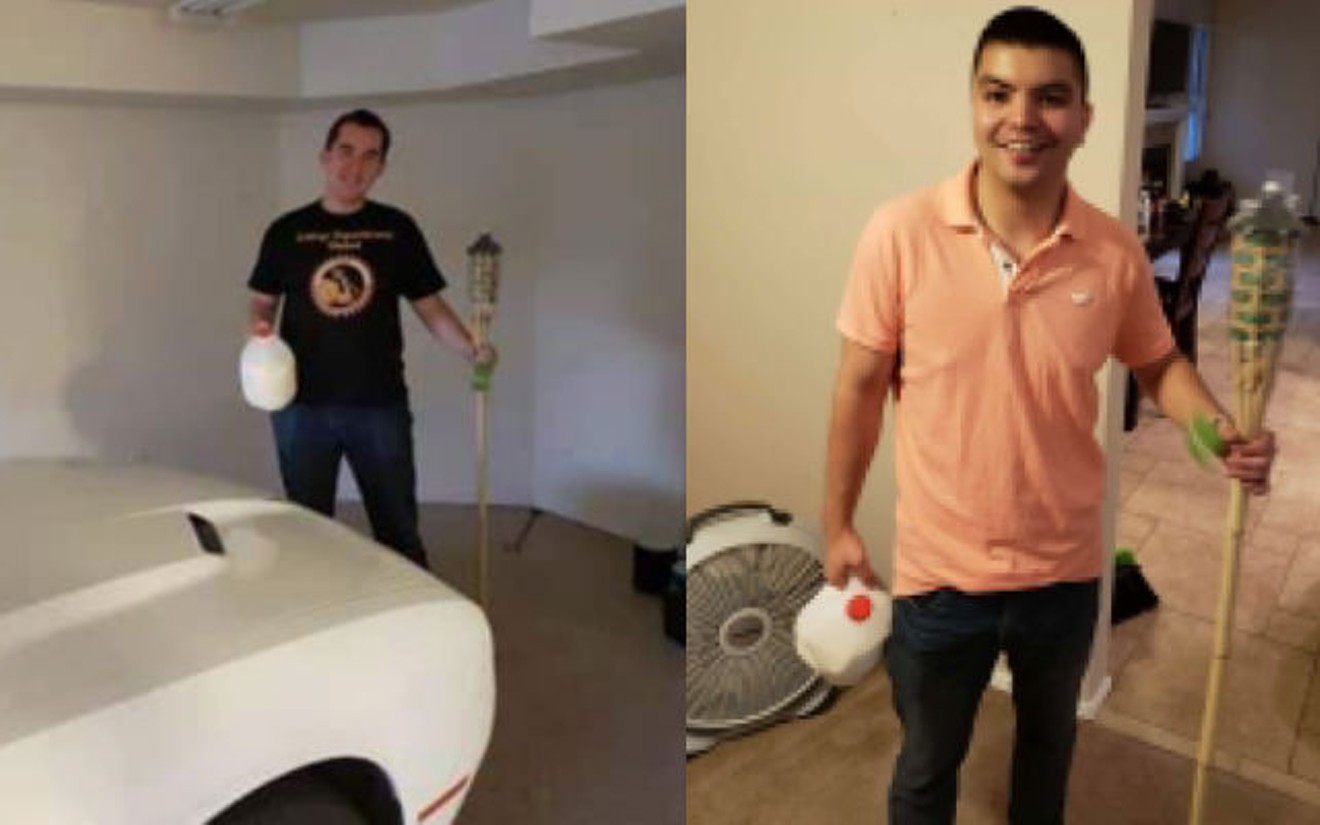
{"points": [[954, 204]]}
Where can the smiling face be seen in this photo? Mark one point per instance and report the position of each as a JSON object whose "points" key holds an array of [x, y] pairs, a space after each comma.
{"points": [[1029, 114], [351, 165]]}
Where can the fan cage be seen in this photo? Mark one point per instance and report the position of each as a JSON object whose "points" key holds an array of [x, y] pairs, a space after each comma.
{"points": [[742, 666]]}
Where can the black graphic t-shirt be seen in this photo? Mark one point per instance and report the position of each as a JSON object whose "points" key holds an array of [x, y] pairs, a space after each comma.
{"points": [[341, 277]]}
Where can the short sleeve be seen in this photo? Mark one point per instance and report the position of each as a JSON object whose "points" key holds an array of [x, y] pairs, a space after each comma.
{"points": [[871, 311], [265, 275], [1143, 332], [419, 275]]}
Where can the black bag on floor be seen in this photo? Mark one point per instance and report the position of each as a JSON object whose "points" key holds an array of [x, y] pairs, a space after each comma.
{"points": [[651, 568], [1132, 593], [675, 599]]}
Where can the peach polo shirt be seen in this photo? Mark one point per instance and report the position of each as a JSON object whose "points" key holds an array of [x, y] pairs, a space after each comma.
{"points": [[1000, 478]]}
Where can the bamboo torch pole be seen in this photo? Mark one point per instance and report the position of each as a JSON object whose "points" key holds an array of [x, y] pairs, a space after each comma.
{"points": [[1259, 306], [483, 291]]}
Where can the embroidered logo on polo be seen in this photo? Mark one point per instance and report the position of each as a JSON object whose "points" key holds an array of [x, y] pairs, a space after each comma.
{"points": [[342, 286]]}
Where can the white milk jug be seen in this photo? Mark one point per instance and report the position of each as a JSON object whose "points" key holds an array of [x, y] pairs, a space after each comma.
{"points": [[840, 631], [267, 372]]}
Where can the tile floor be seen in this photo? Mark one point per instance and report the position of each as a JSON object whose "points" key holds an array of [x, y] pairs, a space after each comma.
{"points": [[1173, 514]]}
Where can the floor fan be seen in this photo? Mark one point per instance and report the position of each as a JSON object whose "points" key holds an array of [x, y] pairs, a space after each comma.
{"points": [[749, 571]]}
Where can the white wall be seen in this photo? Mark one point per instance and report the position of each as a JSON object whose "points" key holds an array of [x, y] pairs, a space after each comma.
{"points": [[585, 193], [129, 232], [1263, 112], [609, 314], [126, 233]]}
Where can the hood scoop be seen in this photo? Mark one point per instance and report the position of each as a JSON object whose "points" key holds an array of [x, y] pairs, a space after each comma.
{"points": [[208, 538]]}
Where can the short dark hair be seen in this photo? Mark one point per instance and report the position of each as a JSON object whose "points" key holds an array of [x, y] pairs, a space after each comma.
{"points": [[366, 119], [1033, 27]]}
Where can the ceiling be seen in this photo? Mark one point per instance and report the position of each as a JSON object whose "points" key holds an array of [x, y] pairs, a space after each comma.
{"points": [[650, 43], [283, 11]]}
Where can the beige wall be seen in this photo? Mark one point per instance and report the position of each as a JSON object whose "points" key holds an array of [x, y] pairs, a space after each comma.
{"points": [[71, 48], [801, 118]]}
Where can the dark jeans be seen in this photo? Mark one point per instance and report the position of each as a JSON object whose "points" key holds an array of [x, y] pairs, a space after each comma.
{"points": [[940, 654], [377, 442]]}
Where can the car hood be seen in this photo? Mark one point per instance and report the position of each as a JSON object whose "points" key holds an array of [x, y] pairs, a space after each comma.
{"points": [[119, 580]]}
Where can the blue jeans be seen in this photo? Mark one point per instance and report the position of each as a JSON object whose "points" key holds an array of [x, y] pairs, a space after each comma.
{"points": [[940, 654], [377, 442]]}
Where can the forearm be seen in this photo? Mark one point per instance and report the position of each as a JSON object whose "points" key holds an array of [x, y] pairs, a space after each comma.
{"points": [[1179, 391], [454, 334], [262, 310], [854, 432], [446, 327]]}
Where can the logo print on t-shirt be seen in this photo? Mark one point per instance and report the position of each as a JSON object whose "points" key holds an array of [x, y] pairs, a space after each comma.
{"points": [[342, 286]]}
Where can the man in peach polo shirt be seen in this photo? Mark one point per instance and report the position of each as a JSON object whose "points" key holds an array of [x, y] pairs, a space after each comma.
{"points": [[1004, 292]]}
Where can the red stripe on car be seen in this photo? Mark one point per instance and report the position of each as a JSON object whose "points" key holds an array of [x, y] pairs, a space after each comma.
{"points": [[443, 798]]}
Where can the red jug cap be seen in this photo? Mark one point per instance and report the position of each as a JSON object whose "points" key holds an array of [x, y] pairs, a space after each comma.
{"points": [[859, 608]]}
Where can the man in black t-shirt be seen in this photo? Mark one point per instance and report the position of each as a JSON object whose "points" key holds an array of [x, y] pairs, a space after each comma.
{"points": [[339, 266]]}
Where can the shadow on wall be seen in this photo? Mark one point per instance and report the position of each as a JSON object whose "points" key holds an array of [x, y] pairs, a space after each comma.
{"points": [[158, 395], [165, 216], [163, 314]]}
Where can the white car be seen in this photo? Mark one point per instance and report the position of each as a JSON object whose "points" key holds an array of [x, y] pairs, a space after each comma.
{"points": [[176, 649]]}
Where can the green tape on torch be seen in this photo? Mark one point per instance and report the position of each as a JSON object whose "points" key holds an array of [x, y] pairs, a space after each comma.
{"points": [[1203, 439], [481, 374]]}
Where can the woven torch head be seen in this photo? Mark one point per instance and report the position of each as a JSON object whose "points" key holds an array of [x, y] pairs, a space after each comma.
{"points": [[1263, 249], [484, 271]]}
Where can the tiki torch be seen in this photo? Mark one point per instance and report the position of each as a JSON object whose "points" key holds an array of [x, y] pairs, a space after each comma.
{"points": [[1260, 301], [483, 290]]}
